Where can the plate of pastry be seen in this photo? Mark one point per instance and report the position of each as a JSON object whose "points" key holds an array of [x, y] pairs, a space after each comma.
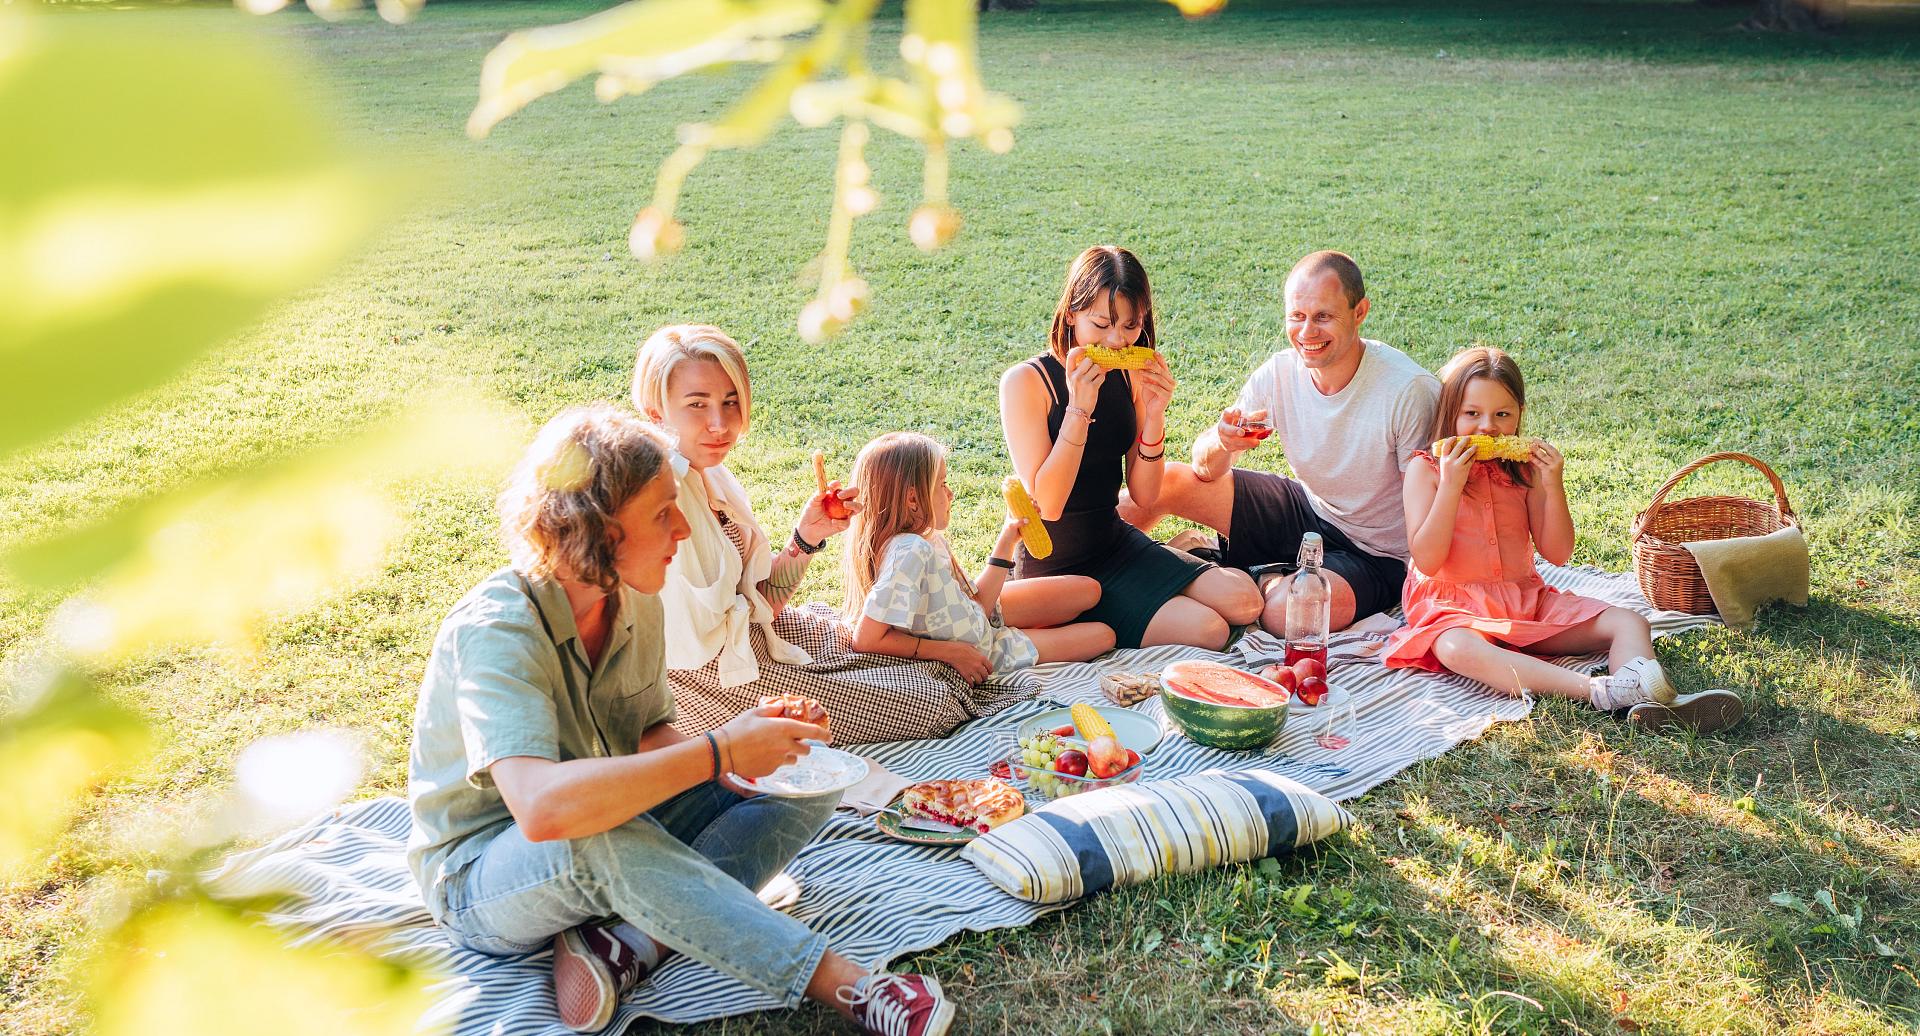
{"points": [[950, 812]]}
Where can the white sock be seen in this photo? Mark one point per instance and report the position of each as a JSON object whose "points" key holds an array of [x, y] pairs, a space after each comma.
{"points": [[639, 942]]}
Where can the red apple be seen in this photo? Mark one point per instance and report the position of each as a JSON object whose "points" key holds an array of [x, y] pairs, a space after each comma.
{"points": [[1283, 675], [1133, 759], [1071, 761], [1310, 668], [835, 507], [1312, 689], [1105, 757]]}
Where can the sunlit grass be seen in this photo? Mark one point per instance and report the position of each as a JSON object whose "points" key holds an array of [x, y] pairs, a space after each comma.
{"points": [[1692, 239]]}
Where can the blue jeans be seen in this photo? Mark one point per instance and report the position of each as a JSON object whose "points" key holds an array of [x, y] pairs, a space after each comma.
{"points": [[684, 873]]}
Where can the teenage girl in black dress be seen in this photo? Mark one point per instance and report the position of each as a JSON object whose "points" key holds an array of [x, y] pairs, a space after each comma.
{"points": [[1077, 432]]}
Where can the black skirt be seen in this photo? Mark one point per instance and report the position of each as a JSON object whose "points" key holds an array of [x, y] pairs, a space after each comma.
{"points": [[1136, 573]]}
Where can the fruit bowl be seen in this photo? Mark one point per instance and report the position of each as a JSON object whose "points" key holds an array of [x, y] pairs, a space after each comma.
{"points": [[1217, 724], [1040, 782]]}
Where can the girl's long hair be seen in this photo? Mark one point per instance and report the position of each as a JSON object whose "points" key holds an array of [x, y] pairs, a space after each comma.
{"points": [[1098, 273], [1481, 361], [885, 470]]}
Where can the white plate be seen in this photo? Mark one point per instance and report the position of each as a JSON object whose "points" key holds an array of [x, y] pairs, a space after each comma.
{"points": [[1134, 730], [821, 771]]}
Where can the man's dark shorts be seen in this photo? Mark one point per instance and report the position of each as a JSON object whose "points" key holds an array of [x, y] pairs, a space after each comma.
{"points": [[1271, 513]]}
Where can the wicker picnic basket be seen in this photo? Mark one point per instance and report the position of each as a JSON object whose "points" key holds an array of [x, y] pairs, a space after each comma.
{"points": [[1669, 576]]}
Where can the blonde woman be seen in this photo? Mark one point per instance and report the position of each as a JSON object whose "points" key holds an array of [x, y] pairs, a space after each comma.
{"points": [[732, 639], [555, 802], [906, 594]]}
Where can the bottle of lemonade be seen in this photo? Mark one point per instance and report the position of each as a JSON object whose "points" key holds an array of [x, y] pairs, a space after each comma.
{"points": [[1309, 602]]}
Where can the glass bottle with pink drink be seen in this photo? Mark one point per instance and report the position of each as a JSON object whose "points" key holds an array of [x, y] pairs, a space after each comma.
{"points": [[1309, 603]]}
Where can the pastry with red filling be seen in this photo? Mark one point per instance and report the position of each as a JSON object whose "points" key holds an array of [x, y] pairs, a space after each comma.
{"points": [[800, 707], [981, 805]]}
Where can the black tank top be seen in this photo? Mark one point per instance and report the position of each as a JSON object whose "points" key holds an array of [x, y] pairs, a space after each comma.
{"points": [[1103, 461]]}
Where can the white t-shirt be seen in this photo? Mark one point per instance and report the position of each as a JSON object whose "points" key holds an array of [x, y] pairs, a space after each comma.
{"points": [[1350, 450]]}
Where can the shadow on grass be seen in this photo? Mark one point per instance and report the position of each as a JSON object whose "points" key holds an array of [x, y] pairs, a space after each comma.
{"points": [[1632, 30]]}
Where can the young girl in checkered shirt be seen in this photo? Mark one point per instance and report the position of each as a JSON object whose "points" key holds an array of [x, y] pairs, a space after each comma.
{"points": [[908, 597]]}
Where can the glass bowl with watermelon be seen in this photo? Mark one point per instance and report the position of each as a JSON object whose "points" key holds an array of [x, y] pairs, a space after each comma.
{"points": [[1223, 707]]}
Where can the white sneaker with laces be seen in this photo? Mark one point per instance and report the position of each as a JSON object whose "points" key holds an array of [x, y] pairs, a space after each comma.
{"points": [[1640, 680]]}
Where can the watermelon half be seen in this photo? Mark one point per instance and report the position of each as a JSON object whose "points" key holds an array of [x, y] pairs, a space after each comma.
{"points": [[1223, 707]]}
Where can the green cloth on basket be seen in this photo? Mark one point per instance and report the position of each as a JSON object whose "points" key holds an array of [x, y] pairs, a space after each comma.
{"points": [[1130, 833], [1746, 572]]}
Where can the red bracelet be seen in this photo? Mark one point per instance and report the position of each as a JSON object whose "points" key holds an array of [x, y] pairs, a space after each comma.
{"points": [[1151, 445]]}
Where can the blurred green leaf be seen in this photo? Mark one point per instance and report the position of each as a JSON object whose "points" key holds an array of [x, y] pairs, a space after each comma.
{"points": [[206, 562], [202, 968], [53, 748], [638, 42], [156, 194]]}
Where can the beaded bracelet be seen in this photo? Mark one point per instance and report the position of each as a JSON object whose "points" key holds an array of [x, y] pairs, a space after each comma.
{"points": [[713, 743]]}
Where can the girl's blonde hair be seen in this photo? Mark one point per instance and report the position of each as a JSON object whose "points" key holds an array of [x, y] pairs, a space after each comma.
{"points": [[1481, 361], [886, 469], [1097, 274], [675, 344], [557, 510]]}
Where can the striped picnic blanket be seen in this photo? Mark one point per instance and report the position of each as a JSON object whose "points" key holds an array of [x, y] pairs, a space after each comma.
{"points": [[876, 899]]}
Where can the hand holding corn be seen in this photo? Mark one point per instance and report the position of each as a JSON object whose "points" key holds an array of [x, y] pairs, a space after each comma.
{"points": [[1034, 533], [1491, 447]]}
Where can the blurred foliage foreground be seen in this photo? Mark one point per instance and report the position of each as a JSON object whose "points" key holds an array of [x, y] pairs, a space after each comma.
{"points": [[157, 195]]}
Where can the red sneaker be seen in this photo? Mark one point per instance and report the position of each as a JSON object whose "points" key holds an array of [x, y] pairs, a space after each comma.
{"points": [[901, 1005], [592, 970]]}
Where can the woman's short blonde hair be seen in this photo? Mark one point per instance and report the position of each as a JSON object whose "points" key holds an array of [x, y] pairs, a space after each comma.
{"points": [[674, 345], [557, 510]]}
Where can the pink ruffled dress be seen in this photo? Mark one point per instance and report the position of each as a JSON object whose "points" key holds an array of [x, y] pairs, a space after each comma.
{"points": [[1488, 582]]}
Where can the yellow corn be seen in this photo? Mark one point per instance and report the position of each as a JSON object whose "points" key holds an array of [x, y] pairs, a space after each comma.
{"points": [[1132, 358], [1493, 447], [1088, 721], [1020, 505]]}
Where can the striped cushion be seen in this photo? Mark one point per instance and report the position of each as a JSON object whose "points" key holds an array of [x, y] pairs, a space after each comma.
{"points": [[1130, 833]]}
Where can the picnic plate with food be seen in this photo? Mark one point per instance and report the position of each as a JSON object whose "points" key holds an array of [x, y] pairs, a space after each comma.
{"points": [[950, 812], [821, 771], [1134, 730]]}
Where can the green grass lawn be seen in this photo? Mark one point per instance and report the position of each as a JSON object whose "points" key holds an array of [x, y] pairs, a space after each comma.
{"points": [[1693, 239]]}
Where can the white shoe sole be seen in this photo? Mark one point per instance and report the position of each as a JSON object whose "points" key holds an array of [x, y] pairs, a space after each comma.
{"points": [[1702, 713]]}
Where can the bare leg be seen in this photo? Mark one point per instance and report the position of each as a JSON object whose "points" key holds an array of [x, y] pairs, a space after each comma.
{"points": [[834, 974], [1047, 600], [1076, 643], [1184, 620], [1183, 495], [1273, 617], [1470, 654], [1228, 591], [1625, 634]]}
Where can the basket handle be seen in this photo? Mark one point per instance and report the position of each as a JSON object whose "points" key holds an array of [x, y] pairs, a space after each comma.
{"points": [[1780, 503]]}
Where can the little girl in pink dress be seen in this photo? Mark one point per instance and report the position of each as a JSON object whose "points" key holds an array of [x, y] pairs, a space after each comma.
{"points": [[1475, 604]]}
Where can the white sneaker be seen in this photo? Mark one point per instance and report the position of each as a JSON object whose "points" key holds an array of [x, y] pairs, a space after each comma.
{"points": [[1641, 680]]}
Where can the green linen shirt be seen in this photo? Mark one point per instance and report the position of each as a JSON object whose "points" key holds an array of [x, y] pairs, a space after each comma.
{"points": [[508, 676]]}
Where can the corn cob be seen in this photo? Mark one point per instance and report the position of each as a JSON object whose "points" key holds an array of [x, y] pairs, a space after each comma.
{"points": [[1088, 721], [1493, 447], [1132, 358], [1020, 505]]}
